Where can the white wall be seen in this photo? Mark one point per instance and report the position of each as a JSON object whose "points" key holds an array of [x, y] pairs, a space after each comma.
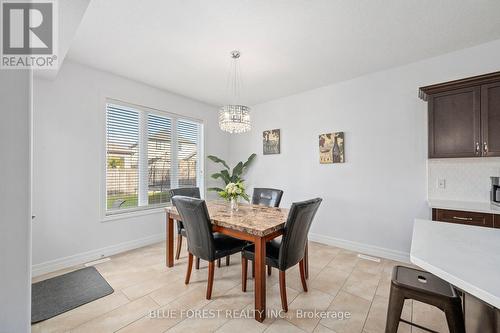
{"points": [[15, 201], [370, 202], [69, 128]]}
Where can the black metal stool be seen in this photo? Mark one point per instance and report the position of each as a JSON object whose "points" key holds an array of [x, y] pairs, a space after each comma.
{"points": [[427, 288]]}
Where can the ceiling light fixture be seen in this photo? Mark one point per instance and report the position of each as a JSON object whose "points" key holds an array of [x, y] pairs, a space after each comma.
{"points": [[235, 118]]}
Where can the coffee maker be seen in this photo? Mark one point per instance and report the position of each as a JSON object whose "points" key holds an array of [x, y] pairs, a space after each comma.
{"points": [[495, 191]]}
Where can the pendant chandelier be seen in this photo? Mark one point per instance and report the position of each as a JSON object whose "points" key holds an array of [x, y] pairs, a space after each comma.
{"points": [[235, 118]]}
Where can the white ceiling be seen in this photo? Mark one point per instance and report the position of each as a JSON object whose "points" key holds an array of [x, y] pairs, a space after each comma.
{"points": [[70, 16], [287, 46]]}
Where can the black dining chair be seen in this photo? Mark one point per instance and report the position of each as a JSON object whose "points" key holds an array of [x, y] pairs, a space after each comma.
{"points": [[290, 250], [193, 192], [269, 197], [202, 242]]}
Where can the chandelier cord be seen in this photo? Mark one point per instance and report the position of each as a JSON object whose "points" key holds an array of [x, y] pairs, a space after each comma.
{"points": [[234, 78]]}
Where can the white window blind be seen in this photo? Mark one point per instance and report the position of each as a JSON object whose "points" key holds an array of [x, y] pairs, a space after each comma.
{"points": [[187, 157], [148, 152], [122, 150], [159, 158]]}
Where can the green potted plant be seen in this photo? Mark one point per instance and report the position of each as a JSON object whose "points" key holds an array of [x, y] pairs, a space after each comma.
{"points": [[234, 183]]}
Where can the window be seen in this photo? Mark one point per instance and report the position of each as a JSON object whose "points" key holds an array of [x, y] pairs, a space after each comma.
{"points": [[148, 152], [122, 150]]}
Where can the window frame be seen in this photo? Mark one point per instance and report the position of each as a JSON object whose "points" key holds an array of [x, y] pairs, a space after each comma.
{"points": [[144, 111]]}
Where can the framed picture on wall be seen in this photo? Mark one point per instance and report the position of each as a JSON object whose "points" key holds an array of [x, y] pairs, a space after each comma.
{"points": [[331, 148], [271, 142]]}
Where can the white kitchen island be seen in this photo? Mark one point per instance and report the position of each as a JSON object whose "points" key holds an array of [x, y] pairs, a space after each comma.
{"points": [[468, 257]]}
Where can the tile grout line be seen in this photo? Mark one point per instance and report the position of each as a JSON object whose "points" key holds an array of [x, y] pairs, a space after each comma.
{"points": [[211, 301], [339, 290], [328, 293], [159, 306], [107, 312], [371, 304]]}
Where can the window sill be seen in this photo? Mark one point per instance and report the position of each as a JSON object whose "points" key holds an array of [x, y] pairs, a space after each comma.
{"points": [[133, 214]]}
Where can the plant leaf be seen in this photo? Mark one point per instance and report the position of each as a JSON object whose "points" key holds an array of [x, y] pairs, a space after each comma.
{"points": [[216, 175], [214, 189], [249, 161], [218, 160], [245, 196], [225, 176], [237, 171]]}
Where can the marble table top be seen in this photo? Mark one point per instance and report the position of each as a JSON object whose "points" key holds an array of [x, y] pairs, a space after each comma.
{"points": [[252, 219], [465, 256]]}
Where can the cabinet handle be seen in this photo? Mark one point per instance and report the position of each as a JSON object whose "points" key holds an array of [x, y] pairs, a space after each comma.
{"points": [[462, 218], [485, 147], [477, 148]]}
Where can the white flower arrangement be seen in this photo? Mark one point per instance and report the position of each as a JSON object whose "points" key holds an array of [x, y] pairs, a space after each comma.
{"points": [[234, 191]]}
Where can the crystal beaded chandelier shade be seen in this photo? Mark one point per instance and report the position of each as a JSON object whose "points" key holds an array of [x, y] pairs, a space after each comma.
{"points": [[235, 118]]}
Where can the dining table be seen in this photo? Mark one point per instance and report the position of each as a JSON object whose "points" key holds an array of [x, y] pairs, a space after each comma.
{"points": [[253, 223]]}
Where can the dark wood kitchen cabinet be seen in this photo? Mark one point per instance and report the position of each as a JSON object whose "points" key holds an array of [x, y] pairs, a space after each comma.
{"points": [[464, 117], [490, 118], [463, 217], [454, 123], [496, 221]]}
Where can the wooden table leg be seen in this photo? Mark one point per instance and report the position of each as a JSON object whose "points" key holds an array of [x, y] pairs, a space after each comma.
{"points": [[260, 279], [306, 260], [170, 241]]}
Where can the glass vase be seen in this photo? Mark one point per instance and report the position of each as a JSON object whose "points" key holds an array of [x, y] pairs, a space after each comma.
{"points": [[234, 204]]}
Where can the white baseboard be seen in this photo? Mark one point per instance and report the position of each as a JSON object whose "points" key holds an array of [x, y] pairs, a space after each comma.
{"points": [[81, 258], [361, 248]]}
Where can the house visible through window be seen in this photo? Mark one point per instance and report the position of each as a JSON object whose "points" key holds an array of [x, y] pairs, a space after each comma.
{"points": [[148, 152]]}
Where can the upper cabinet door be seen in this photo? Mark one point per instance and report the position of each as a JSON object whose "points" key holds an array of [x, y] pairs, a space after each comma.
{"points": [[454, 123], [490, 118]]}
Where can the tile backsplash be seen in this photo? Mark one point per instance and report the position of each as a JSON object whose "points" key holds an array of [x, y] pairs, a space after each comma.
{"points": [[466, 179]]}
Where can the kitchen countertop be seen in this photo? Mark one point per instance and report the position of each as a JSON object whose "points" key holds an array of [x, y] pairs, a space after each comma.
{"points": [[465, 256], [468, 206]]}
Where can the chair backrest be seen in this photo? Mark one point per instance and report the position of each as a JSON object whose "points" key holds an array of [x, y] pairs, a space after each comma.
{"points": [[267, 197], [193, 192], [194, 215], [296, 230]]}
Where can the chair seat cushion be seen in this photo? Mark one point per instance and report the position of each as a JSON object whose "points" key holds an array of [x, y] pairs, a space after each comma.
{"points": [[272, 252], [422, 281], [227, 245]]}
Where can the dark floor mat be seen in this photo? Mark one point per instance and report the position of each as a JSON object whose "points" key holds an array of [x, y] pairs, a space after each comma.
{"points": [[54, 296]]}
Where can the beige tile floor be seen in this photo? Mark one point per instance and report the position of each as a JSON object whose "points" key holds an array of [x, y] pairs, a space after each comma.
{"points": [[338, 281]]}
